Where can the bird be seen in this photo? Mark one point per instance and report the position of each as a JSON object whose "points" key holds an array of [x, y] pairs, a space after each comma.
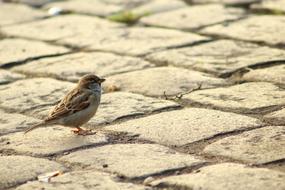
{"points": [[77, 107]]}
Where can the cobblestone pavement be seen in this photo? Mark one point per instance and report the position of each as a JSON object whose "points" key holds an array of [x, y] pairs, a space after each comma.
{"points": [[152, 131]]}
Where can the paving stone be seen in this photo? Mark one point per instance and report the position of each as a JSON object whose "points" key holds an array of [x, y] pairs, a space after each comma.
{"points": [[8, 76], [266, 28], [83, 180], [190, 17], [59, 27], [132, 160], [133, 41], [33, 3], [226, 176], [16, 50], [275, 6], [253, 97], [277, 117], [156, 81], [275, 74], [19, 169], [258, 146], [12, 122], [185, 126], [47, 141], [32, 94], [226, 2], [73, 66], [218, 57], [24, 14]]}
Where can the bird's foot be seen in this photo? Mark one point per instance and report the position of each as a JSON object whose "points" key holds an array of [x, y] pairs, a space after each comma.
{"points": [[83, 132]]}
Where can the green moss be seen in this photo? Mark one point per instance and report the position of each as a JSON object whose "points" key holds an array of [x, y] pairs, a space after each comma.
{"points": [[126, 17]]}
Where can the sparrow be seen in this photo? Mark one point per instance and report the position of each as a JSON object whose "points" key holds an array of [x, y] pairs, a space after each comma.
{"points": [[77, 107]]}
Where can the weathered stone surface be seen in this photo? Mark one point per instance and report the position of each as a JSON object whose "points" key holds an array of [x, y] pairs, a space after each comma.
{"points": [[226, 176], [277, 117], [19, 169], [185, 126], [24, 14], [190, 17], [73, 66], [48, 141], [15, 50], [268, 29], [83, 180], [33, 3], [157, 6], [257, 146], [254, 97], [11, 122], [59, 27], [32, 94], [218, 57], [7, 76], [275, 74], [156, 81], [226, 2], [132, 160], [276, 6]]}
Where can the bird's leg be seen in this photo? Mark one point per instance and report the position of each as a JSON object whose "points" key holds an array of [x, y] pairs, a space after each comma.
{"points": [[80, 131]]}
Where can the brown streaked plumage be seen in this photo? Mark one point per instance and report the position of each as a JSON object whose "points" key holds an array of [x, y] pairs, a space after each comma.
{"points": [[77, 107]]}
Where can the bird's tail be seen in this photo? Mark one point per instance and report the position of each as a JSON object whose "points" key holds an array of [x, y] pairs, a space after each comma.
{"points": [[34, 127]]}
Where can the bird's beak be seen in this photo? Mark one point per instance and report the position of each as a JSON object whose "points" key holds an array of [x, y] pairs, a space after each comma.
{"points": [[102, 80]]}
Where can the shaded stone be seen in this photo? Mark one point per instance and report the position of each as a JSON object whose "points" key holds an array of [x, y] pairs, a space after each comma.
{"points": [[219, 57], [73, 66], [133, 41], [156, 81], [24, 14], [257, 146], [190, 17], [275, 6], [33, 3], [47, 141], [254, 97], [226, 176], [227, 2], [7, 76], [132, 160], [59, 27], [185, 126], [19, 169], [32, 95], [17, 50], [277, 117], [275, 74], [83, 180], [267, 28], [12, 122]]}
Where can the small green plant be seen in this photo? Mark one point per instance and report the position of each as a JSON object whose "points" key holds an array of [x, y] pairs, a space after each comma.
{"points": [[127, 17]]}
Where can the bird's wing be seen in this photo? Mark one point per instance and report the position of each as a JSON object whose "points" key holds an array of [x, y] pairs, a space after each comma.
{"points": [[74, 101]]}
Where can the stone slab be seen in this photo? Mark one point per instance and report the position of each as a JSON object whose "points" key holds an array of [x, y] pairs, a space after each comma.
{"points": [[185, 126], [190, 18], [219, 57], [83, 180], [132, 160], [257, 146], [156, 81], [24, 14], [8, 76], [277, 117], [32, 3], [266, 28], [59, 27], [274, 74], [12, 122], [253, 97], [19, 169], [73, 66], [18, 50], [226, 2], [32, 94], [226, 176], [275, 6], [47, 141]]}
